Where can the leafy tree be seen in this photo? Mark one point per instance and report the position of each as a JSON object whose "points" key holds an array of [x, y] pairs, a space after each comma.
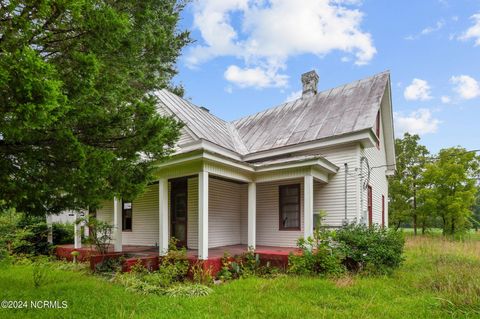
{"points": [[411, 159], [450, 188], [78, 120], [476, 211]]}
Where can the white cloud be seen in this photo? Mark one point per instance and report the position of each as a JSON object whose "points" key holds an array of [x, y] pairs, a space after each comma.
{"points": [[267, 33], [419, 90], [474, 31], [417, 122], [294, 95], [446, 99], [426, 31], [254, 77], [466, 86]]}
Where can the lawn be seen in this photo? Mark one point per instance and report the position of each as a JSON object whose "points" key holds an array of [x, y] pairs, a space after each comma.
{"points": [[439, 279]]}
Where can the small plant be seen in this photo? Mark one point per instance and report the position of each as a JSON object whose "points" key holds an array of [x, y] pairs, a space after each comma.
{"points": [[187, 290], [201, 275], [101, 233], [138, 268], [109, 265], [225, 272], [40, 272]]}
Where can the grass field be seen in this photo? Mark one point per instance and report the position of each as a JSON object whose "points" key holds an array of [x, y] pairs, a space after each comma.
{"points": [[439, 279]]}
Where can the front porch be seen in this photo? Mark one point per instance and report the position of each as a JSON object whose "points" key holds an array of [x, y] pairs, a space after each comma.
{"points": [[149, 256], [210, 204]]}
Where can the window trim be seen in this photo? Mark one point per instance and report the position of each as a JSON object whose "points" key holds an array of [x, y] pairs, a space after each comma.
{"points": [[280, 209], [123, 216]]}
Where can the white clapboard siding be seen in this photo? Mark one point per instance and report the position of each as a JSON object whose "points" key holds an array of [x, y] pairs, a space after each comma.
{"points": [[145, 228], [105, 212], [224, 220], [331, 197], [378, 180], [268, 211]]}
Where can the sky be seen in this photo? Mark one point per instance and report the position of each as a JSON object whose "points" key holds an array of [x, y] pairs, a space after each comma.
{"points": [[248, 55]]}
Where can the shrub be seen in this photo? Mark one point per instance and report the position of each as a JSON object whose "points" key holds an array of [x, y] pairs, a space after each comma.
{"points": [[62, 233], [201, 275], [110, 265], [371, 250], [40, 270], [321, 255]]}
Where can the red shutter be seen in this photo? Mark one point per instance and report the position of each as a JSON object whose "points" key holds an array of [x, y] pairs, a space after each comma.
{"points": [[370, 206]]}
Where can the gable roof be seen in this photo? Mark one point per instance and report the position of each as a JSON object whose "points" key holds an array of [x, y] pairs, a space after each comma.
{"points": [[346, 109]]}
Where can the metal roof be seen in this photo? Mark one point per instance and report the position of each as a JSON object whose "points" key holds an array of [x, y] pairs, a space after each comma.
{"points": [[349, 108]]}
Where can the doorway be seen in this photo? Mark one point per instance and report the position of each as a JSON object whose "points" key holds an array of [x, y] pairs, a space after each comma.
{"points": [[179, 210]]}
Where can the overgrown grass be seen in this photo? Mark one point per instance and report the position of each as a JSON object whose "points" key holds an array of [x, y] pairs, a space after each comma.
{"points": [[439, 279]]}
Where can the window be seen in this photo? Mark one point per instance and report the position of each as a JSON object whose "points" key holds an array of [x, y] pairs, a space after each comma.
{"points": [[126, 215], [383, 211], [289, 207], [377, 129]]}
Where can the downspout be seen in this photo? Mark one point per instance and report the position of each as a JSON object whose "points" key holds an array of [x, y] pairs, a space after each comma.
{"points": [[345, 220]]}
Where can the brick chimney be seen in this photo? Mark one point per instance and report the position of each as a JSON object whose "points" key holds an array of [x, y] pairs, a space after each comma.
{"points": [[309, 82]]}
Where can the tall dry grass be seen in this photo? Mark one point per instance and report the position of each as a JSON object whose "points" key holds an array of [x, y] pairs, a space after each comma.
{"points": [[449, 268]]}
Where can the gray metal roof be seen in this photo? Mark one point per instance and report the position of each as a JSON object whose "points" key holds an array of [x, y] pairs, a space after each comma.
{"points": [[349, 108], [345, 109]]}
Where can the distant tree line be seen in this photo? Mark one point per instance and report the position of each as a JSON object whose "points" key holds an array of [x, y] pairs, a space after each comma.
{"points": [[434, 190]]}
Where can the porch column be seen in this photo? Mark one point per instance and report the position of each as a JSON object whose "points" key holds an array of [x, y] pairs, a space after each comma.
{"points": [[163, 216], [49, 229], [252, 215], [117, 224], [77, 232], [308, 206], [203, 215]]}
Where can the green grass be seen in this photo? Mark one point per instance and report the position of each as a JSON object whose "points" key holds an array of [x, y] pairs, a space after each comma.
{"points": [[439, 279]]}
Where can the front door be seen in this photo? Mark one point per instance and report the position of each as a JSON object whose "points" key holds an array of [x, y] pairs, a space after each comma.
{"points": [[178, 210]]}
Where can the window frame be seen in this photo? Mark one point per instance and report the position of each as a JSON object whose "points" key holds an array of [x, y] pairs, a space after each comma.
{"points": [[281, 227], [124, 229]]}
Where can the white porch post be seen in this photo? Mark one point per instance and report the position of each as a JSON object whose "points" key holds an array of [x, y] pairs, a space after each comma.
{"points": [[77, 233], [49, 229], [203, 215], [252, 215], [308, 206], [117, 224], [163, 216]]}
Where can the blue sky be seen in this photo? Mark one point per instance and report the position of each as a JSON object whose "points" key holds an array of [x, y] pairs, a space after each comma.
{"points": [[249, 56]]}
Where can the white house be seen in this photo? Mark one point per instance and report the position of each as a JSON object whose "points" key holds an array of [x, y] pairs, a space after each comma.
{"points": [[261, 179]]}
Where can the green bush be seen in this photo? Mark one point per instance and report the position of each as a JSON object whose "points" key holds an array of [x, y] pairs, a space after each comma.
{"points": [[62, 233], [370, 250], [321, 255]]}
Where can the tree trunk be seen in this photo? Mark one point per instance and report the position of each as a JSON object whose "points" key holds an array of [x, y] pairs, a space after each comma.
{"points": [[415, 209]]}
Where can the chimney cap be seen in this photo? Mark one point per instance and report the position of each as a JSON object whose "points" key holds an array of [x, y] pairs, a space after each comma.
{"points": [[309, 82], [205, 109]]}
